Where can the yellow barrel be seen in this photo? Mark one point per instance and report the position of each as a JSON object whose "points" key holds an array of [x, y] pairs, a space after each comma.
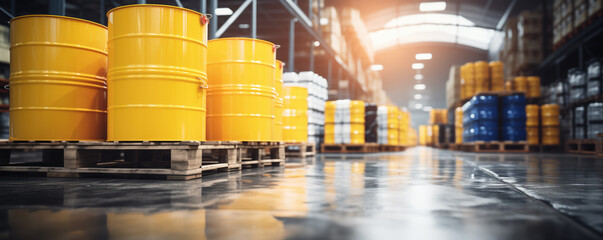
{"points": [[497, 76], [357, 122], [429, 135], [532, 115], [458, 124], [482, 76], [458, 135], [278, 107], [295, 114], [468, 80], [463, 91], [241, 92], [520, 84], [329, 133], [157, 74], [532, 135], [509, 85], [533, 87], [550, 115], [423, 135], [58, 83], [458, 117], [550, 135]]}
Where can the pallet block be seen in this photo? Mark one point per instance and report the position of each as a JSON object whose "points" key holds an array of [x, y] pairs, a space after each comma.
{"points": [[300, 150]]}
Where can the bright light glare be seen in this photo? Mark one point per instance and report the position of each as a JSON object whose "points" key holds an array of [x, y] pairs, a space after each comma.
{"points": [[432, 6], [376, 67], [429, 18], [420, 86], [418, 96], [418, 66], [431, 28], [324, 21], [423, 56], [243, 26], [418, 106], [223, 11], [419, 77], [316, 44]]}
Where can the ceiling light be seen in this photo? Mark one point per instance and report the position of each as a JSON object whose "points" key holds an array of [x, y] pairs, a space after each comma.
{"points": [[316, 44], [423, 56], [418, 96], [418, 106], [417, 66], [432, 6], [419, 77], [243, 26], [324, 21], [427, 108], [223, 11], [420, 86], [376, 67]]}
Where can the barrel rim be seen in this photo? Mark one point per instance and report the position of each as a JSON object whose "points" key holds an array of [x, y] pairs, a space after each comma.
{"points": [[58, 16], [241, 38], [153, 5]]}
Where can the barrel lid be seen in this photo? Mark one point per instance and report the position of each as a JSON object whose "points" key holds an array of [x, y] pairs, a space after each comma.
{"points": [[242, 38], [154, 5], [58, 16]]}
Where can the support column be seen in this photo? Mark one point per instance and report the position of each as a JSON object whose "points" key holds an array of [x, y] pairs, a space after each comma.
{"points": [[254, 19], [56, 7], [213, 23]]}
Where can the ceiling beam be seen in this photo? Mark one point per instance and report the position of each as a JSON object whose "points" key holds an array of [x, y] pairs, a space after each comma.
{"points": [[505, 16]]}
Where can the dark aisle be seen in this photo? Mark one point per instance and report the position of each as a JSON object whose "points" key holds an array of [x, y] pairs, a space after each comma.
{"points": [[422, 193]]}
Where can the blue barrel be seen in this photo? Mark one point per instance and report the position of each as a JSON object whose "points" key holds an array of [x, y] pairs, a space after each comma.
{"points": [[486, 112], [513, 118]]}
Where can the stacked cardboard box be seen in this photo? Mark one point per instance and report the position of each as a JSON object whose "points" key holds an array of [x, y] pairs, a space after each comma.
{"points": [[331, 31], [529, 45], [453, 86]]}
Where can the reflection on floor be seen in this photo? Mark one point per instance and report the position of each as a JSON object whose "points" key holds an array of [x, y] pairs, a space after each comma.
{"points": [[422, 193]]}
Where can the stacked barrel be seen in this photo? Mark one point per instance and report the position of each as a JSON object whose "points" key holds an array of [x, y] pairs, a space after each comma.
{"points": [[513, 119], [481, 118], [497, 76], [467, 80], [550, 124], [458, 125], [356, 122], [295, 114], [533, 90], [532, 124], [520, 84], [329, 135], [403, 138], [423, 135], [482, 76], [388, 125]]}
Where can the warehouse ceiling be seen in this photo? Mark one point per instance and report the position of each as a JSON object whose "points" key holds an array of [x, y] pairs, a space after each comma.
{"points": [[388, 22]]}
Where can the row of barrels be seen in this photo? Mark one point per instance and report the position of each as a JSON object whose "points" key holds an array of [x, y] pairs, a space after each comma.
{"points": [[151, 75]]}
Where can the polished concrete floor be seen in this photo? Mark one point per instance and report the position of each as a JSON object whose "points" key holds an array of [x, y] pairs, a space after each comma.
{"points": [[422, 193]]}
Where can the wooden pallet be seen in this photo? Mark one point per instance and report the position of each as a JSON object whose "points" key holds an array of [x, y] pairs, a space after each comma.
{"points": [[350, 148], [455, 147], [545, 148], [572, 146], [442, 145], [391, 148], [260, 154], [589, 147], [172, 160], [300, 150], [497, 147]]}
